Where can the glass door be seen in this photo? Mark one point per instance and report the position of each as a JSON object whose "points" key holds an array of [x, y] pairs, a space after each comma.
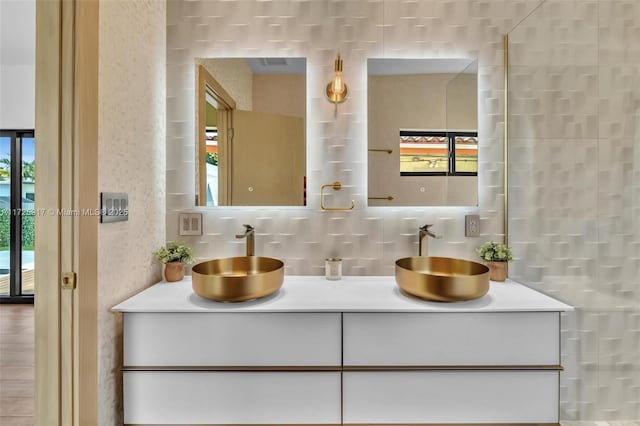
{"points": [[5, 214], [27, 227], [17, 216]]}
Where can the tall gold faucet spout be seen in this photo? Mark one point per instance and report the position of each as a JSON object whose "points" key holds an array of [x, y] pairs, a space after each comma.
{"points": [[423, 243], [249, 234]]}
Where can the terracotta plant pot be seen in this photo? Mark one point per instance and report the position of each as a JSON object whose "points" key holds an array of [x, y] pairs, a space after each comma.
{"points": [[497, 271], [173, 271]]}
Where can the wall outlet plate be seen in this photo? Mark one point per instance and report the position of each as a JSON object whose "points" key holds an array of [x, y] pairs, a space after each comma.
{"points": [[190, 224], [114, 207], [472, 225]]}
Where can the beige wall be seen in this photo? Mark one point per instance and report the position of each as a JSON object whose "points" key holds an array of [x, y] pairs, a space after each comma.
{"points": [[280, 94], [235, 76], [424, 102], [407, 101], [212, 116], [462, 102], [131, 129]]}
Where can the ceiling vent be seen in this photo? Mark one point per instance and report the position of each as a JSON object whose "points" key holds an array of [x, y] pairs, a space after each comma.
{"points": [[273, 62]]}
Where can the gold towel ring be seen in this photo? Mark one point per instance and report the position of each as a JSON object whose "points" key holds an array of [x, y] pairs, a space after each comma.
{"points": [[337, 186]]}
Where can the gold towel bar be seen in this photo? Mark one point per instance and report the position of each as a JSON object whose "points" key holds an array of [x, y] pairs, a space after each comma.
{"points": [[337, 186], [388, 197], [388, 151]]}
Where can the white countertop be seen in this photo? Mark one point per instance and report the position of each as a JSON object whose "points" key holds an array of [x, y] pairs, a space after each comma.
{"points": [[351, 294]]}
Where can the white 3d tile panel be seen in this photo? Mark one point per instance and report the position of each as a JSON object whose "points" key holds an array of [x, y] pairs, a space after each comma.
{"points": [[369, 239], [575, 191]]}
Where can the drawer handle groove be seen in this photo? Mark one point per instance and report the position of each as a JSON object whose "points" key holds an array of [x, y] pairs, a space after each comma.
{"points": [[306, 368]]}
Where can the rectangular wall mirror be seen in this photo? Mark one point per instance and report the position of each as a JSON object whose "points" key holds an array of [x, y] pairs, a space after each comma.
{"points": [[422, 132], [250, 131]]}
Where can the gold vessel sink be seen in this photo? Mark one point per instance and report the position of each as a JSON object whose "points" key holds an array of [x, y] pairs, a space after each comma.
{"points": [[442, 279], [237, 279]]}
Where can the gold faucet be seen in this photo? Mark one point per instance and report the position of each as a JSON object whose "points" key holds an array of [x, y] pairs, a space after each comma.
{"points": [[249, 234], [423, 244]]}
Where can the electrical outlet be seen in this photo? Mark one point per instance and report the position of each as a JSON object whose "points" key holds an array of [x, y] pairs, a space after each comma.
{"points": [[190, 223], [472, 225]]}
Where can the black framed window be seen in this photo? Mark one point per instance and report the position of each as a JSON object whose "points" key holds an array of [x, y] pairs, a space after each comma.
{"points": [[438, 153], [17, 218]]}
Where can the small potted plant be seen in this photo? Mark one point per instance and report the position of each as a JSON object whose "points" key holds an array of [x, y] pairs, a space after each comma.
{"points": [[496, 256], [174, 256]]}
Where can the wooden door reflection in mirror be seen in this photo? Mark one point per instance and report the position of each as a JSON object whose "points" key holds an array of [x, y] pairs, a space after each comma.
{"points": [[251, 132]]}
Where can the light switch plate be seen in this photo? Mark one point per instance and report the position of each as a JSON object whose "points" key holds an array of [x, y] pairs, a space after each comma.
{"points": [[114, 207], [190, 223], [472, 225]]}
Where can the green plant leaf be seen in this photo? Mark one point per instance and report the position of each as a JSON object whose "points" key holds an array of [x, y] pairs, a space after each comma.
{"points": [[174, 252]]}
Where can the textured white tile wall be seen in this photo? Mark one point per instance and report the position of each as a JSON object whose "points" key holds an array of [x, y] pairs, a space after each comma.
{"points": [[575, 191], [131, 152], [574, 148], [369, 239]]}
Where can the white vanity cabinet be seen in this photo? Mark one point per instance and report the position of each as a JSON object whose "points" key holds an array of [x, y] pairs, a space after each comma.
{"points": [[232, 339], [492, 367], [451, 396], [353, 352], [451, 339], [231, 397], [232, 368]]}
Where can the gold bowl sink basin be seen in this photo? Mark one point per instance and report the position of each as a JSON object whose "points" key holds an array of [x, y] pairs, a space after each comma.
{"points": [[442, 279], [237, 279]]}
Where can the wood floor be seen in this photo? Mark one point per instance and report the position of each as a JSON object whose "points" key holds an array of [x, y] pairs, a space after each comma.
{"points": [[17, 365]]}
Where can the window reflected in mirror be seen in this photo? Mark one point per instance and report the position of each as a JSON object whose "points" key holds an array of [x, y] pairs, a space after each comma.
{"points": [[425, 153]]}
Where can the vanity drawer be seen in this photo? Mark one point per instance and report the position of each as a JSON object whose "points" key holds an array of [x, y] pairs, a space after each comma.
{"points": [[179, 397], [442, 339], [420, 397], [232, 339]]}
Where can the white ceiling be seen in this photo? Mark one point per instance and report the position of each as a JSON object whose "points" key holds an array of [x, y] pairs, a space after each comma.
{"points": [[17, 32]]}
